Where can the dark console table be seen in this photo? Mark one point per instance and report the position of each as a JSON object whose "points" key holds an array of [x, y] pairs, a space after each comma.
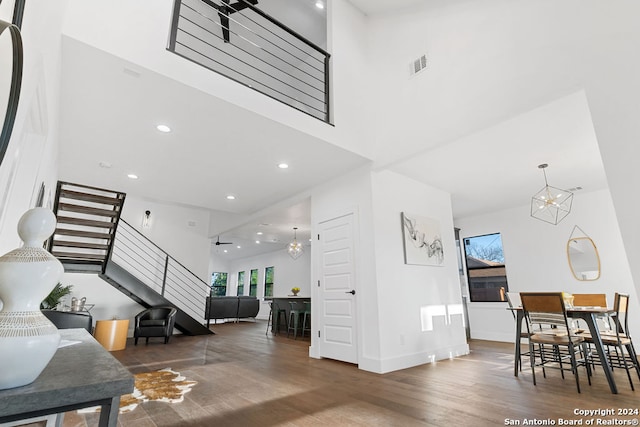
{"points": [[79, 376]]}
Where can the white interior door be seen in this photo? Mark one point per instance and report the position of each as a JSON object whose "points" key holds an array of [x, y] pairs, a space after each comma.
{"points": [[338, 332]]}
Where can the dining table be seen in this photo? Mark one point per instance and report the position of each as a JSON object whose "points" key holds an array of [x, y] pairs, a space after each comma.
{"points": [[589, 316]]}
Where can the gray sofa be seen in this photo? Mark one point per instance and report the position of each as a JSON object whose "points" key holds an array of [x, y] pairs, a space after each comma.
{"points": [[231, 307]]}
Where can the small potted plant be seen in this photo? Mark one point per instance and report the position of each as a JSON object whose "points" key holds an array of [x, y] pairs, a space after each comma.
{"points": [[295, 290], [54, 297]]}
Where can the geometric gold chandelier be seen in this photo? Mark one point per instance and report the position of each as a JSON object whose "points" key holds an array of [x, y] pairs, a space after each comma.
{"points": [[295, 248], [551, 204]]}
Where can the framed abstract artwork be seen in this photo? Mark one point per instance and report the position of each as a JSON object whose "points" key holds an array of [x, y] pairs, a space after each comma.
{"points": [[422, 240]]}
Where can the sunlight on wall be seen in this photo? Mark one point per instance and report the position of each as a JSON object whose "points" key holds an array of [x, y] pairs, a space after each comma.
{"points": [[427, 313]]}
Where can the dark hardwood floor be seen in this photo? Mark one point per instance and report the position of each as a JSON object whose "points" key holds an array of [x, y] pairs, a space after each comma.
{"points": [[247, 378]]}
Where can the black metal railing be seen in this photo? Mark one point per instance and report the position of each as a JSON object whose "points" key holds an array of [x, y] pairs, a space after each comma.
{"points": [[247, 45], [158, 270]]}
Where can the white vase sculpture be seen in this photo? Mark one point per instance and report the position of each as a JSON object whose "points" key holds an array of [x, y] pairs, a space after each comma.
{"points": [[28, 340]]}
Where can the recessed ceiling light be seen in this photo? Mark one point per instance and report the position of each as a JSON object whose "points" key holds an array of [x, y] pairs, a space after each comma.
{"points": [[231, 197], [225, 251], [163, 128], [283, 165], [258, 242], [319, 5], [239, 247], [259, 233], [133, 176]]}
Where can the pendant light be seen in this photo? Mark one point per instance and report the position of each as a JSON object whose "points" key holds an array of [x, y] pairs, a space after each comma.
{"points": [[295, 248], [550, 204]]}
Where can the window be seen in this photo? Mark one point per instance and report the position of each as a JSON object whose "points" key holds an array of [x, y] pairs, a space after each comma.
{"points": [[240, 283], [218, 284], [486, 271], [253, 283], [268, 282]]}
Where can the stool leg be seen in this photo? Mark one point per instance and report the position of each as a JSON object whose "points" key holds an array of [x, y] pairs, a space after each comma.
{"points": [[269, 321]]}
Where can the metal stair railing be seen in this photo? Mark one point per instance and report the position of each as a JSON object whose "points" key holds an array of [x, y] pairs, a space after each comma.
{"points": [[245, 44], [157, 269]]}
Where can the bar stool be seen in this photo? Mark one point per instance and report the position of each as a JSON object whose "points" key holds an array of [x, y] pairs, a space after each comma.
{"points": [[294, 319], [306, 318], [280, 314]]}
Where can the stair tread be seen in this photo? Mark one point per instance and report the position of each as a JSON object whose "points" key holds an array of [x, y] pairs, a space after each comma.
{"points": [[70, 207], [78, 255], [84, 245], [82, 233], [83, 221], [88, 197]]}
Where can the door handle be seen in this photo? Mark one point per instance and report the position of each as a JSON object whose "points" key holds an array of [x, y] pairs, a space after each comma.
{"points": [[352, 292]]}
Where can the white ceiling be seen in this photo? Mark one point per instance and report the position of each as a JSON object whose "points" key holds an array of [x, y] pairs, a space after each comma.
{"points": [[371, 7]]}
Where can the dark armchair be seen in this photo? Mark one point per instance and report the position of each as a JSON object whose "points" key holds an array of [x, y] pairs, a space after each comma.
{"points": [[155, 322]]}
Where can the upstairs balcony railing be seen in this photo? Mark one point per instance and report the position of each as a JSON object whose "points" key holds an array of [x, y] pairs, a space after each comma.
{"points": [[243, 43]]}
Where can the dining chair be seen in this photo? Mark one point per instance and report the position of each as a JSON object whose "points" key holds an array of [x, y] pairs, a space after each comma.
{"points": [[593, 300], [513, 299], [620, 351], [546, 319], [589, 300]]}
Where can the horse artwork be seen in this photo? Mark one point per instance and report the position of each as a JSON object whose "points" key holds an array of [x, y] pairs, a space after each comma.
{"points": [[422, 240]]}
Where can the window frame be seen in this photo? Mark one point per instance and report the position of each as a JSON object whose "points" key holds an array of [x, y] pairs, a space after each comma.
{"points": [[268, 285], [253, 284], [215, 286], [240, 288], [480, 279]]}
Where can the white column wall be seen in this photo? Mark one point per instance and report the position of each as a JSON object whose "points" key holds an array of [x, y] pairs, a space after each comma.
{"points": [[536, 258], [407, 293], [351, 194]]}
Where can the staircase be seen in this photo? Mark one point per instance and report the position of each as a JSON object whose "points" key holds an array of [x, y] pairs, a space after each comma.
{"points": [[87, 220], [91, 238]]}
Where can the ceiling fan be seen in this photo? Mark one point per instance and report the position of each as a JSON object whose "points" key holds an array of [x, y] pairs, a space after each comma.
{"points": [[218, 242]]}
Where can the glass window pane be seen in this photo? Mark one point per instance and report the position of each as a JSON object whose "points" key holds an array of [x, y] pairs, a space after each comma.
{"points": [[486, 269], [218, 284]]}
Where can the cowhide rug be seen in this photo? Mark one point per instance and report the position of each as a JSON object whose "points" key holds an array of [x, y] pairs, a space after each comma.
{"points": [[164, 385]]}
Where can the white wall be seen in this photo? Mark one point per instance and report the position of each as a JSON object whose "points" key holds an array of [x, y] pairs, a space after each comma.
{"points": [[409, 334], [109, 303], [180, 231], [31, 157], [490, 60], [536, 258]]}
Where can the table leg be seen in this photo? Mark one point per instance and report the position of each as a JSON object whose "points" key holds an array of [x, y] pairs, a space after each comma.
{"points": [[109, 413], [590, 319], [517, 361]]}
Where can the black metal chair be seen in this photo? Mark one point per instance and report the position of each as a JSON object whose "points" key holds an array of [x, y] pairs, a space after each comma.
{"points": [[70, 319], [155, 322]]}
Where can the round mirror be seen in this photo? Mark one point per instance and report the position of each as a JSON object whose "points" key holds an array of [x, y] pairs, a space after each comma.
{"points": [[10, 80], [583, 258]]}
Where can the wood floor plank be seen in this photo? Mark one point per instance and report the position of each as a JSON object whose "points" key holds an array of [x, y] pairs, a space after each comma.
{"points": [[246, 378]]}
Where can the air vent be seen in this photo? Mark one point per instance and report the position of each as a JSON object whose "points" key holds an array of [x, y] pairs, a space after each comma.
{"points": [[418, 65]]}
